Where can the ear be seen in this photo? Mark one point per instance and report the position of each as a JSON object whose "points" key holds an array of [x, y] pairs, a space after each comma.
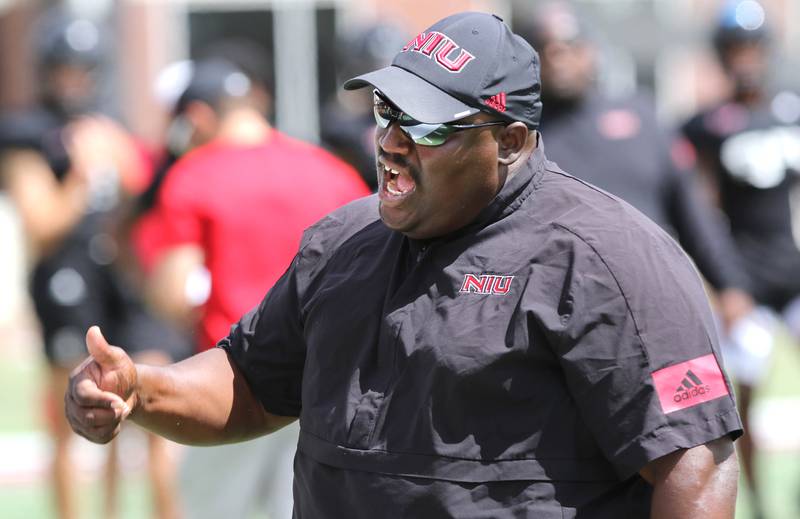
{"points": [[511, 142]]}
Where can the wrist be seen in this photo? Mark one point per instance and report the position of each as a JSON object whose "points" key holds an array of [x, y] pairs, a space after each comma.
{"points": [[137, 400]]}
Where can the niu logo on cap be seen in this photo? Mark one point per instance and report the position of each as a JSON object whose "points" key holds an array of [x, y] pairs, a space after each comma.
{"points": [[441, 49], [689, 383], [486, 284], [498, 102]]}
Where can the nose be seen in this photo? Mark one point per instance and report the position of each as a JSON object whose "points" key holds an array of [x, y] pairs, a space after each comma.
{"points": [[393, 139]]}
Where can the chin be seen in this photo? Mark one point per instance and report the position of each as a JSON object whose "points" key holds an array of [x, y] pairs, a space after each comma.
{"points": [[394, 224]]}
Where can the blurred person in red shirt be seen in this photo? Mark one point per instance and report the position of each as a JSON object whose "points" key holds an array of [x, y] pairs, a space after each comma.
{"points": [[234, 207]]}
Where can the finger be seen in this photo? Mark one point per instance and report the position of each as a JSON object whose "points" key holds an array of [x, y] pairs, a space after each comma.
{"points": [[102, 434], [103, 418], [112, 405], [94, 417], [86, 394], [78, 420], [81, 367], [105, 354], [99, 426]]}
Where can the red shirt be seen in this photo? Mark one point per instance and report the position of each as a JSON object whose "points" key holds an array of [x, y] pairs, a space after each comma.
{"points": [[247, 208]]}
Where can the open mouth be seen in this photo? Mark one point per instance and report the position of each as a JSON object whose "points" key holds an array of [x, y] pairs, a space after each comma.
{"points": [[396, 183]]}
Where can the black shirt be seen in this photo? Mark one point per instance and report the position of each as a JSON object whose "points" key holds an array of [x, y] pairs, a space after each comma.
{"points": [[754, 160], [619, 146], [527, 365]]}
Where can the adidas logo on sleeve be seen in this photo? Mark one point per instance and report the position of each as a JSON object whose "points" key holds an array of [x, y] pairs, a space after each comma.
{"points": [[689, 383]]}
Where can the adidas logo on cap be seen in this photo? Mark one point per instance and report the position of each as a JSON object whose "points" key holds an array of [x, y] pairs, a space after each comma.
{"points": [[498, 102]]}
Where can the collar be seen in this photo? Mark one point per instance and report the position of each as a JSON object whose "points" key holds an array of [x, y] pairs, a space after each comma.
{"points": [[518, 188], [511, 196]]}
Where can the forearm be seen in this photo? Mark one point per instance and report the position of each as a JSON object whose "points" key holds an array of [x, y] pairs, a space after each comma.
{"points": [[38, 196], [167, 286], [200, 401], [701, 483], [69, 204], [705, 237]]}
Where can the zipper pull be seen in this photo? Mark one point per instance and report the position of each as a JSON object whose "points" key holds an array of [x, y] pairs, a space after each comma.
{"points": [[421, 254]]}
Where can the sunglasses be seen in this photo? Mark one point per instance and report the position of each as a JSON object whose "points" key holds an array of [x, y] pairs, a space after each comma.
{"points": [[421, 133]]}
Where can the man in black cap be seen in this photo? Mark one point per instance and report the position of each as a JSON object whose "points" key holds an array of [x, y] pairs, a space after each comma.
{"points": [[485, 337]]}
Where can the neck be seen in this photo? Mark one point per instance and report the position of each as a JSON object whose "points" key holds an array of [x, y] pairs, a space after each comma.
{"points": [[748, 98], [244, 127]]}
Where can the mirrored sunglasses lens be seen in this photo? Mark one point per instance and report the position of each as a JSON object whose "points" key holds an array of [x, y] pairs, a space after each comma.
{"points": [[428, 134], [421, 133], [382, 114]]}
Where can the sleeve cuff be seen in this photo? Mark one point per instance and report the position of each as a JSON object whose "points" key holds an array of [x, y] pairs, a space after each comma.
{"points": [[671, 437]]}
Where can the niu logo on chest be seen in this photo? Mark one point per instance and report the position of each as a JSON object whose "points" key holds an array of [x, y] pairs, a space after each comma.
{"points": [[486, 284], [438, 47]]}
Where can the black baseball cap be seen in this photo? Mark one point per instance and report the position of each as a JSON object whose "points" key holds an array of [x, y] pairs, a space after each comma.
{"points": [[466, 63], [212, 81]]}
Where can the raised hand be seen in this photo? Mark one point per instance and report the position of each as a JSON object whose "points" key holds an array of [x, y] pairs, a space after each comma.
{"points": [[101, 390]]}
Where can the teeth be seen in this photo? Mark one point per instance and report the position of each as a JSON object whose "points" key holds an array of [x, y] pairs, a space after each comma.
{"points": [[393, 191], [390, 170]]}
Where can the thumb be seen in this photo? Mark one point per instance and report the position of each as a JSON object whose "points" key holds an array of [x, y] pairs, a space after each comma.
{"points": [[99, 348]]}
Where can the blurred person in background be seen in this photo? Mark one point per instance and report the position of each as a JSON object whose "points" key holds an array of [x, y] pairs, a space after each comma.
{"points": [[747, 148], [234, 206], [188, 125], [618, 145], [69, 170], [347, 122], [189, 90]]}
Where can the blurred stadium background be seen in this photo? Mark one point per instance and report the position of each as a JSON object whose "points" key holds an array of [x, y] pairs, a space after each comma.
{"points": [[659, 45]]}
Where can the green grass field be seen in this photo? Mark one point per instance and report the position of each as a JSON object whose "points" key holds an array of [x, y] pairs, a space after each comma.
{"points": [[33, 501], [20, 401], [779, 471]]}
